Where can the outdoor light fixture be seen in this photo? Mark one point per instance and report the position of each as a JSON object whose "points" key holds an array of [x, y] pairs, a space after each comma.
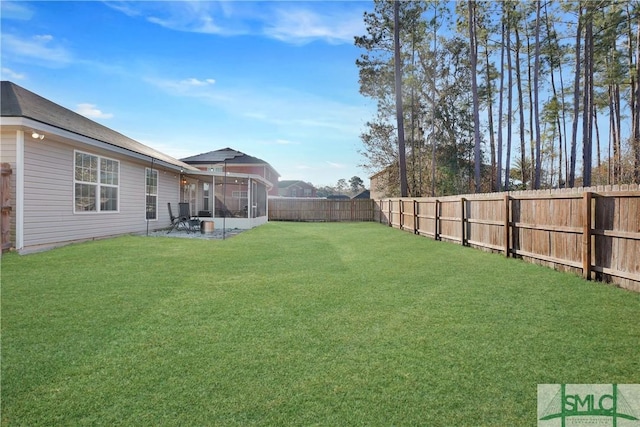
{"points": [[36, 135]]}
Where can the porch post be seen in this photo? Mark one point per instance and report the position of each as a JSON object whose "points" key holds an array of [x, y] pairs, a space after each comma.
{"points": [[249, 204]]}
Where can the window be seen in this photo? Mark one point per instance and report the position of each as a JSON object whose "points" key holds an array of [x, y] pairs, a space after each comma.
{"points": [[151, 182], [96, 183], [205, 202]]}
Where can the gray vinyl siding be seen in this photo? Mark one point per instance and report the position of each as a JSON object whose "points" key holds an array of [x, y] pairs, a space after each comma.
{"points": [[8, 155], [49, 216]]}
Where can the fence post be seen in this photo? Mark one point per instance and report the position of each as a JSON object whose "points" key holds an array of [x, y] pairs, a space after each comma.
{"points": [[507, 229], [401, 210], [415, 216], [436, 221], [462, 203], [586, 236], [389, 218]]}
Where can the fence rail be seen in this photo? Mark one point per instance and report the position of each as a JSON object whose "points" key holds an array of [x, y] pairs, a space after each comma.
{"points": [[593, 231]]}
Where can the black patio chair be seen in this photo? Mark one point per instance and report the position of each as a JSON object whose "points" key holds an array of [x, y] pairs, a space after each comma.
{"points": [[176, 221], [185, 218]]}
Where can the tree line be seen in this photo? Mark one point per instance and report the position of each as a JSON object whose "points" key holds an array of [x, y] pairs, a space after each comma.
{"points": [[342, 188], [481, 96]]}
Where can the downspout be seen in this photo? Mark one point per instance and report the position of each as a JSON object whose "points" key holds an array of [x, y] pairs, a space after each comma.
{"points": [[19, 190]]}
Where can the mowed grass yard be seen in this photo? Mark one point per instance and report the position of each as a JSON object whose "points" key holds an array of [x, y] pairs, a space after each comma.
{"points": [[300, 324]]}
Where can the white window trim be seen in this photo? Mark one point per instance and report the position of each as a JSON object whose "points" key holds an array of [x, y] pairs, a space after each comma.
{"points": [[146, 194], [97, 184]]}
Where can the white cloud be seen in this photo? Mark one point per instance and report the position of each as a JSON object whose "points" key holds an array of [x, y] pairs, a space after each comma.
{"points": [[196, 82], [15, 10], [40, 48], [300, 113], [300, 26], [191, 87], [9, 74], [336, 165], [289, 22], [90, 110], [284, 142], [189, 16]]}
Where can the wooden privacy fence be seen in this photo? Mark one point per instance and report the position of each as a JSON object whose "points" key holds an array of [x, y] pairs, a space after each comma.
{"points": [[593, 231], [5, 205], [321, 210]]}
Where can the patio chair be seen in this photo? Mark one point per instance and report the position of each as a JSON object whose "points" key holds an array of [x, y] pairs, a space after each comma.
{"points": [[185, 218], [176, 221]]}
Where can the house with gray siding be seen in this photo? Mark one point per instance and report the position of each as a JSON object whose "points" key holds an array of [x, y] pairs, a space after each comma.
{"points": [[74, 179]]}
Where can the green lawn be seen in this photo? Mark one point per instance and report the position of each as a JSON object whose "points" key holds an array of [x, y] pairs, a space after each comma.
{"points": [[300, 324]]}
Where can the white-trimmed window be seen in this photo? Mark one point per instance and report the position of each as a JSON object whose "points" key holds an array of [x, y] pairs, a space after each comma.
{"points": [[206, 196], [96, 183], [151, 185]]}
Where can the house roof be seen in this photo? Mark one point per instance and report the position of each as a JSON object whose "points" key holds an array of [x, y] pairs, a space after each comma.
{"points": [[365, 194], [17, 101], [289, 183], [228, 155]]}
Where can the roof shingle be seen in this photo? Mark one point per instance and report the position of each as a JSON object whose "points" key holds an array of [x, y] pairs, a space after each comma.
{"points": [[16, 101]]}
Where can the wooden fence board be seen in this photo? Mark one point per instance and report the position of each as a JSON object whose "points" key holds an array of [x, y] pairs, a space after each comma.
{"points": [[321, 210]]}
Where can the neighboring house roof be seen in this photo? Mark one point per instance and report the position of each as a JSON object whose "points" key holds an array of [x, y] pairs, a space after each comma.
{"points": [[289, 183], [363, 195], [21, 103], [224, 155]]}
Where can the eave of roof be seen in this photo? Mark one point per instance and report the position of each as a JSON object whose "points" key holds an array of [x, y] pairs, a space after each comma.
{"points": [[19, 102], [225, 155]]}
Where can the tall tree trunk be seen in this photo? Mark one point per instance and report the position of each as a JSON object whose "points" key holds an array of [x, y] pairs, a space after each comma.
{"points": [[523, 158], [433, 102], [399, 110], [595, 124], [532, 150], [415, 189], [576, 102], [636, 124], [473, 45], [507, 165], [614, 137], [536, 113], [564, 126], [492, 139], [500, 110], [587, 117], [552, 61]]}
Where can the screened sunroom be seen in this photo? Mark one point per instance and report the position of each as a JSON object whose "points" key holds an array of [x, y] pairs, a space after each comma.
{"points": [[230, 200]]}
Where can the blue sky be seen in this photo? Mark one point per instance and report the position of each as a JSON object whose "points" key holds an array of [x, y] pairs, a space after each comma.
{"points": [[274, 79]]}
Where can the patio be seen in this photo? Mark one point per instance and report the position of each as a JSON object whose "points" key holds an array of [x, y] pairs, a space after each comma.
{"points": [[216, 234]]}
